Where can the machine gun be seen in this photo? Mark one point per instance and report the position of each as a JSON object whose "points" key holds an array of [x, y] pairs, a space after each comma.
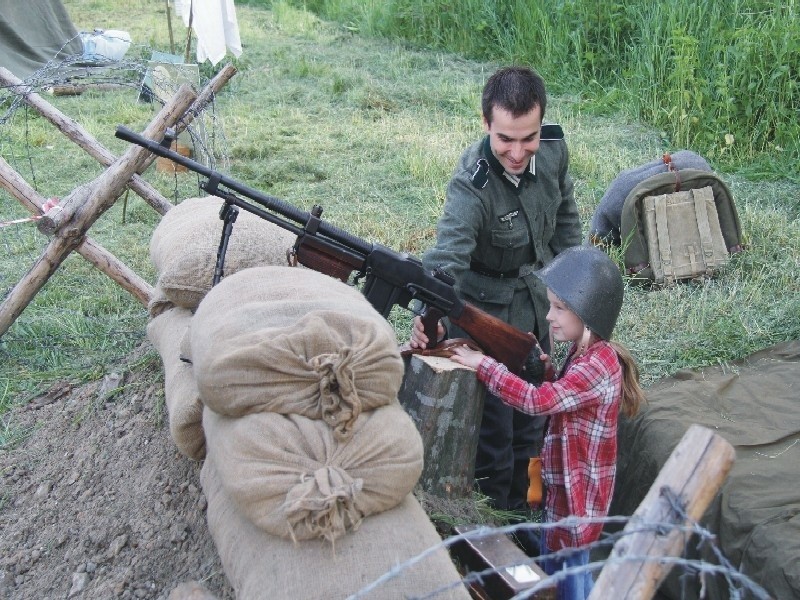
{"points": [[389, 278]]}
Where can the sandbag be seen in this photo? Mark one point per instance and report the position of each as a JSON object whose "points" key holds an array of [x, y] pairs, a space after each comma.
{"points": [[184, 247], [261, 566], [289, 476], [293, 341], [184, 407]]}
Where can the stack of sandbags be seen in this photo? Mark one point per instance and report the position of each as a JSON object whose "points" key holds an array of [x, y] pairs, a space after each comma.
{"points": [[183, 249], [167, 331], [310, 459]]}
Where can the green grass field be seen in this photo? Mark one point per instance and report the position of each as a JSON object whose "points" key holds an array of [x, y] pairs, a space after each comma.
{"points": [[370, 129]]}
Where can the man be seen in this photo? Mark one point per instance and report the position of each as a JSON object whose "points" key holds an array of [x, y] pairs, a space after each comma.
{"points": [[509, 210]]}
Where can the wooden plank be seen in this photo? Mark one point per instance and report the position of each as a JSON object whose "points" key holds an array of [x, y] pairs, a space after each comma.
{"points": [[693, 474], [512, 571]]}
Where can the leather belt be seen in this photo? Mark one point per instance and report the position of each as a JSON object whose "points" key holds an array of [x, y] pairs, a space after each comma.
{"points": [[482, 269]]}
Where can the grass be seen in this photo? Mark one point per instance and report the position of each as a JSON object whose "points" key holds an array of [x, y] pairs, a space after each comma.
{"points": [[370, 129], [721, 79]]}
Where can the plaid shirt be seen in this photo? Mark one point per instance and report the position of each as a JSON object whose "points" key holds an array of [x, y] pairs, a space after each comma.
{"points": [[580, 446]]}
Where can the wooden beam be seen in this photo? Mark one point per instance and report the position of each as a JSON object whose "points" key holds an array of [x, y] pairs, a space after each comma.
{"points": [[89, 249], [104, 192], [693, 474], [82, 138]]}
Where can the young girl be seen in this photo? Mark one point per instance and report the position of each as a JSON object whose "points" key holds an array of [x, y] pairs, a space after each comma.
{"points": [[599, 378]]}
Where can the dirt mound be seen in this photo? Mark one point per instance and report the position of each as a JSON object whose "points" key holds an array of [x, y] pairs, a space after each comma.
{"points": [[96, 502]]}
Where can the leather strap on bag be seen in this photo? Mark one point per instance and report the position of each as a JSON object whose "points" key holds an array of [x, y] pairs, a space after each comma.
{"points": [[703, 224], [667, 158], [662, 227]]}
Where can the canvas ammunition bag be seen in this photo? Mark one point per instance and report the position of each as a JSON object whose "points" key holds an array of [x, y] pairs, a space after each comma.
{"points": [[679, 225]]}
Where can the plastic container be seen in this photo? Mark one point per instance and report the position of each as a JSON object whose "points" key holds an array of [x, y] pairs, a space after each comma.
{"points": [[105, 45]]}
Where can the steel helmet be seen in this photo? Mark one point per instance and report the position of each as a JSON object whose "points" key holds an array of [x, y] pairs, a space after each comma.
{"points": [[589, 283]]}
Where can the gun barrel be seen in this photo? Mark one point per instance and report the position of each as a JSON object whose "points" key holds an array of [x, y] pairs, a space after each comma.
{"points": [[271, 202]]}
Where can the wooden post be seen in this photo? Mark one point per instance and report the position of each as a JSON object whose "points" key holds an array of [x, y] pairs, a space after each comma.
{"points": [[82, 138], [445, 400], [694, 473], [89, 249], [104, 192], [95, 149]]}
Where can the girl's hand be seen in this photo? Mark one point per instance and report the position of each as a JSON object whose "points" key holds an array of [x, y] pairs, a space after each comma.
{"points": [[467, 357]]}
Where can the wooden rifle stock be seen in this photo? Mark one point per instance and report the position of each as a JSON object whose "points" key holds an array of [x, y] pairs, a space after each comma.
{"points": [[498, 339], [334, 262]]}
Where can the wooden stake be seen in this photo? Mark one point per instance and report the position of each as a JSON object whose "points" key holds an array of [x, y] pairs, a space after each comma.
{"points": [[82, 138], [694, 473], [89, 249], [104, 191]]}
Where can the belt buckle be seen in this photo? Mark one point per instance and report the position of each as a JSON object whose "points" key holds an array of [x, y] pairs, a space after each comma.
{"points": [[526, 270]]}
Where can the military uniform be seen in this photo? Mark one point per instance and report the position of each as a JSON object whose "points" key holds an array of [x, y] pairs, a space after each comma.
{"points": [[495, 230]]}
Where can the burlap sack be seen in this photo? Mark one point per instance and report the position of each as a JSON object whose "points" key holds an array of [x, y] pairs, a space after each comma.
{"points": [[184, 408], [289, 475], [261, 566], [293, 341], [184, 247], [159, 302]]}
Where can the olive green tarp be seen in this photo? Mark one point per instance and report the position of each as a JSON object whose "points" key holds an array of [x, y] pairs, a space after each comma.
{"points": [[33, 32], [755, 405]]}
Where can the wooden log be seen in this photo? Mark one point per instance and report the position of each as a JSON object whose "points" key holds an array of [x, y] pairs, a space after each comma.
{"points": [[82, 138], [445, 401], [694, 473], [105, 191], [88, 249], [72, 89]]}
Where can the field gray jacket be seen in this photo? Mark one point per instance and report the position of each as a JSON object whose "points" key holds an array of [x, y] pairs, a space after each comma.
{"points": [[490, 224]]}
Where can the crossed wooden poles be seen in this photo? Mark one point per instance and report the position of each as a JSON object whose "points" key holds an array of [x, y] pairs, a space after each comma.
{"points": [[69, 223]]}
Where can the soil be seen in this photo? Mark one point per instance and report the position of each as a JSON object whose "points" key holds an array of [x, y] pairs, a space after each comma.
{"points": [[96, 501]]}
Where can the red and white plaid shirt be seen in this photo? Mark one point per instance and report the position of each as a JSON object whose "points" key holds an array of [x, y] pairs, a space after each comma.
{"points": [[579, 457]]}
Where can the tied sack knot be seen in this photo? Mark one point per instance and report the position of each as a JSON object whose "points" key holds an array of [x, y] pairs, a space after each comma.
{"points": [[323, 503], [339, 402]]}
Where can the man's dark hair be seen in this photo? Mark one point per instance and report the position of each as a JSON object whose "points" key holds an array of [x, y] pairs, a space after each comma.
{"points": [[515, 89]]}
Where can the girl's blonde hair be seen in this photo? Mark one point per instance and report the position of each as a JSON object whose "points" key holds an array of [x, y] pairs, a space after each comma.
{"points": [[633, 395]]}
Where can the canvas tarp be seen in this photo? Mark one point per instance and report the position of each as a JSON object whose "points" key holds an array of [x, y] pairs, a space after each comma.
{"points": [[754, 404], [34, 32]]}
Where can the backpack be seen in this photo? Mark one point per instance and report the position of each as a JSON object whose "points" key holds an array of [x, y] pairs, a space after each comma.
{"points": [[679, 225]]}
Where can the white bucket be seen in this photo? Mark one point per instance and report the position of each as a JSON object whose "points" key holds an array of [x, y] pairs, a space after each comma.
{"points": [[105, 45]]}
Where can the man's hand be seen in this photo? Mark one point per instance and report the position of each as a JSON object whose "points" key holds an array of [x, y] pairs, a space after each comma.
{"points": [[418, 338]]}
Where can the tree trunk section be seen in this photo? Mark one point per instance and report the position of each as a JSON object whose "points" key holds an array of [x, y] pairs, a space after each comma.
{"points": [[445, 401]]}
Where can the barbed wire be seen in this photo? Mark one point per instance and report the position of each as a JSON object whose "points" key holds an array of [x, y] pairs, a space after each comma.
{"points": [[143, 70], [737, 582]]}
